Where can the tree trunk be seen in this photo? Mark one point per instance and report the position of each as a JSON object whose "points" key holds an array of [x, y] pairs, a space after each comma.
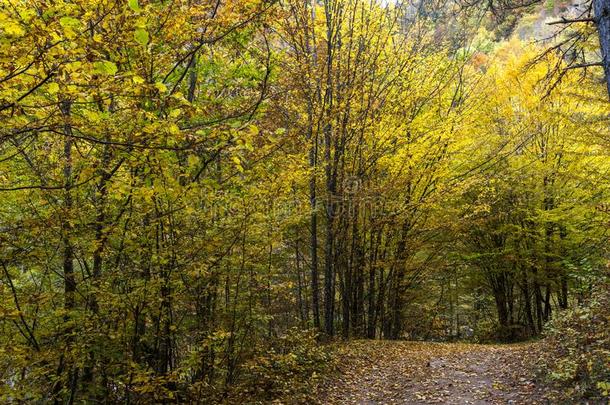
{"points": [[602, 16], [69, 278]]}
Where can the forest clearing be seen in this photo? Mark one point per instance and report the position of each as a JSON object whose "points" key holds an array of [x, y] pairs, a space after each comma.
{"points": [[304, 201]]}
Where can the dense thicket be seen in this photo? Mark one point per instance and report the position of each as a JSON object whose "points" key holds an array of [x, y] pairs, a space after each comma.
{"points": [[195, 191], [576, 349]]}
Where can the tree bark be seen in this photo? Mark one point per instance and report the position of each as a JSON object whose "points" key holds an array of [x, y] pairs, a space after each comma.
{"points": [[602, 16]]}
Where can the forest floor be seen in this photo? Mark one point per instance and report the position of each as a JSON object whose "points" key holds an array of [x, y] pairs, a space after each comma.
{"points": [[384, 372]]}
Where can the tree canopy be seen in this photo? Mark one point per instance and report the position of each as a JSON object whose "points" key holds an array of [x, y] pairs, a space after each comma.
{"points": [[197, 194]]}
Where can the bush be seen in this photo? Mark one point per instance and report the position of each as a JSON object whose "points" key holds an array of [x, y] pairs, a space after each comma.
{"points": [[290, 369], [577, 348]]}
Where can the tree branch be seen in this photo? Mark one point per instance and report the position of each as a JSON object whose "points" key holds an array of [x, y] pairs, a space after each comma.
{"points": [[584, 65], [571, 21]]}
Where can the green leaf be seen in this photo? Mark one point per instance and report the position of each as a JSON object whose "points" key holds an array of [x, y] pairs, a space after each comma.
{"points": [[134, 5], [53, 88], [69, 22], [141, 36], [105, 68]]}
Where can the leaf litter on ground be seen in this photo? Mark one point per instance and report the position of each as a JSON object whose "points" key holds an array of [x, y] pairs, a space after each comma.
{"points": [[400, 372]]}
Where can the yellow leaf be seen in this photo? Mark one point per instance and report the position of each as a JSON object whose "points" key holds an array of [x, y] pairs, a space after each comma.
{"points": [[53, 88], [174, 129], [161, 87]]}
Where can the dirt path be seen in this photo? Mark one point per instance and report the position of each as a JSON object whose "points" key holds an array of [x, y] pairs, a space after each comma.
{"points": [[373, 372]]}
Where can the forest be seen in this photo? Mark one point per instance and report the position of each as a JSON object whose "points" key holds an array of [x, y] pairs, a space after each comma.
{"points": [[304, 201]]}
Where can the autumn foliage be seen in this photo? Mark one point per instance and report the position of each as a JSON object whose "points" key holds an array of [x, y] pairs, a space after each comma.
{"points": [[198, 196]]}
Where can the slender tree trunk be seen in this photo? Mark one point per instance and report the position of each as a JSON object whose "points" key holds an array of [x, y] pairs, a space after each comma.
{"points": [[312, 137], [315, 283], [602, 16], [297, 260], [372, 307], [100, 238], [329, 253], [528, 303], [69, 277], [563, 292], [371, 321], [538, 301]]}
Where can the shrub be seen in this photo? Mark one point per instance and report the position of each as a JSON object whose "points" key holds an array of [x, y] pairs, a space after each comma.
{"points": [[290, 369], [577, 348]]}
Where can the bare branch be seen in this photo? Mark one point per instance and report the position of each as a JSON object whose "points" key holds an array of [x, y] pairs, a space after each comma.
{"points": [[572, 21], [584, 65]]}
